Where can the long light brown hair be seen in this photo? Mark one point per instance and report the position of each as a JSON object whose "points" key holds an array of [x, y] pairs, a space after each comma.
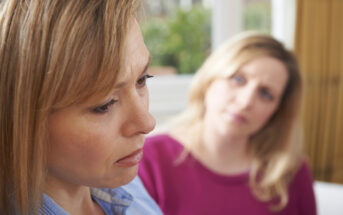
{"points": [[276, 154], [53, 53]]}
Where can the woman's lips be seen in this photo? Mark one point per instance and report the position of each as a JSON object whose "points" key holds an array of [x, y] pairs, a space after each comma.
{"points": [[131, 159], [237, 117]]}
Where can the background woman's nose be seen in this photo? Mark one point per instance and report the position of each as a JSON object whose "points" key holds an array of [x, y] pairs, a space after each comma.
{"points": [[246, 98]]}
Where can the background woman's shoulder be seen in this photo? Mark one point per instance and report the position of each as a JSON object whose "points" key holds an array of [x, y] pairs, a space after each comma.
{"points": [[162, 143]]}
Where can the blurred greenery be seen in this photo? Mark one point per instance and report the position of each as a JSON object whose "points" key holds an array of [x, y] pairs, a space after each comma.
{"points": [[257, 16], [181, 41]]}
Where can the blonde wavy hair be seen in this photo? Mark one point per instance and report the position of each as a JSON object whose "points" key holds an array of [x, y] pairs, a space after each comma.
{"points": [[53, 54], [275, 149]]}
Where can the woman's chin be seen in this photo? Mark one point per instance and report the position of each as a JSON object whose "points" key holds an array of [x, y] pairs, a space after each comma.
{"points": [[122, 179]]}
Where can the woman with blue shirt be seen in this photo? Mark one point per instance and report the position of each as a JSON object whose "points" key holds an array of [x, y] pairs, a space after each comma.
{"points": [[74, 108]]}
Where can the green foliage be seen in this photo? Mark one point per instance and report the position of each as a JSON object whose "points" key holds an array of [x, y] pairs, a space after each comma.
{"points": [[257, 16], [155, 33], [181, 41]]}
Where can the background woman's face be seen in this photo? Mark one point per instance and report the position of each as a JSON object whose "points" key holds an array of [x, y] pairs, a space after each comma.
{"points": [[100, 144], [243, 103]]}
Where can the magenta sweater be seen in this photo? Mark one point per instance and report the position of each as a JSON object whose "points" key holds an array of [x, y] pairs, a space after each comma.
{"points": [[191, 189]]}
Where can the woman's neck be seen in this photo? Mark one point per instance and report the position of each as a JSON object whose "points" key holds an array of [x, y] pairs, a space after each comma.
{"points": [[224, 154], [75, 199]]}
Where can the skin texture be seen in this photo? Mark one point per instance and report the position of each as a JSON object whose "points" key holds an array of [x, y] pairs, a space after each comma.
{"points": [[88, 140]]}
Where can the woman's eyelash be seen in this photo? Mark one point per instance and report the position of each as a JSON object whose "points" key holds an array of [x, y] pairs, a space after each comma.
{"points": [[142, 81], [104, 108]]}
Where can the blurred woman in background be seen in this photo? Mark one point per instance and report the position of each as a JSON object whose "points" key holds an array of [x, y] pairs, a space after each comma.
{"points": [[232, 150]]}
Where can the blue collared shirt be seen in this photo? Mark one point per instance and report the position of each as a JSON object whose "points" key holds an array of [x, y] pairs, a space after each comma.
{"points": [[131, 199]]}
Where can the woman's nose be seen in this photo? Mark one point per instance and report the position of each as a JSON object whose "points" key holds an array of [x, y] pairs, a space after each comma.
{"points": [[246, 98], [139, 120]]}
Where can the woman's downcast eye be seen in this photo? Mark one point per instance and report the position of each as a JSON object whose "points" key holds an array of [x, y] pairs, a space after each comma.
{"points": [[104, 108], [141, 82]]}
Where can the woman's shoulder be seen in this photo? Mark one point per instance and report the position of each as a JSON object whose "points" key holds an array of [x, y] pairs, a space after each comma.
{"points": [[160, 138], [304, 172], [302, 190], [162, 143], [302, 180]]}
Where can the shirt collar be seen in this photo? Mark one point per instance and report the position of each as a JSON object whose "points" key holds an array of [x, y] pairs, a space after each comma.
{"points": [[116, 196], [116, 200]]}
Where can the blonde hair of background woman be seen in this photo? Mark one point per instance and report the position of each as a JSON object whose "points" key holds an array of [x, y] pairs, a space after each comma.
{"points": [[276, 153], [53, 54]]}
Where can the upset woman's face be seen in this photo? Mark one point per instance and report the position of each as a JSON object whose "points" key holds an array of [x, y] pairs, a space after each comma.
{"points": [[100, 144]]}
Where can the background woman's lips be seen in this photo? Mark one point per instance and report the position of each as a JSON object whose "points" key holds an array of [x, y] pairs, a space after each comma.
{"points": [[237, 117], [131, 160]]}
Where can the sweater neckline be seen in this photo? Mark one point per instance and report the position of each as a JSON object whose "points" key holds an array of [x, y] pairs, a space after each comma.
{"points": [[221, 178]]}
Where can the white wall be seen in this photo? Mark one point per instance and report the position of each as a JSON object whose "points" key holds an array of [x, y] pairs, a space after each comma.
{"points": [[329, 197], [168, 96], [283, 21], [227, 20]]}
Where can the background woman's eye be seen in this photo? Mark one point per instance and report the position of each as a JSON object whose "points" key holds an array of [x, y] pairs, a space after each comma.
{"points": [[239, 79], [104, 108], [142, 81], [266, 94]]}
